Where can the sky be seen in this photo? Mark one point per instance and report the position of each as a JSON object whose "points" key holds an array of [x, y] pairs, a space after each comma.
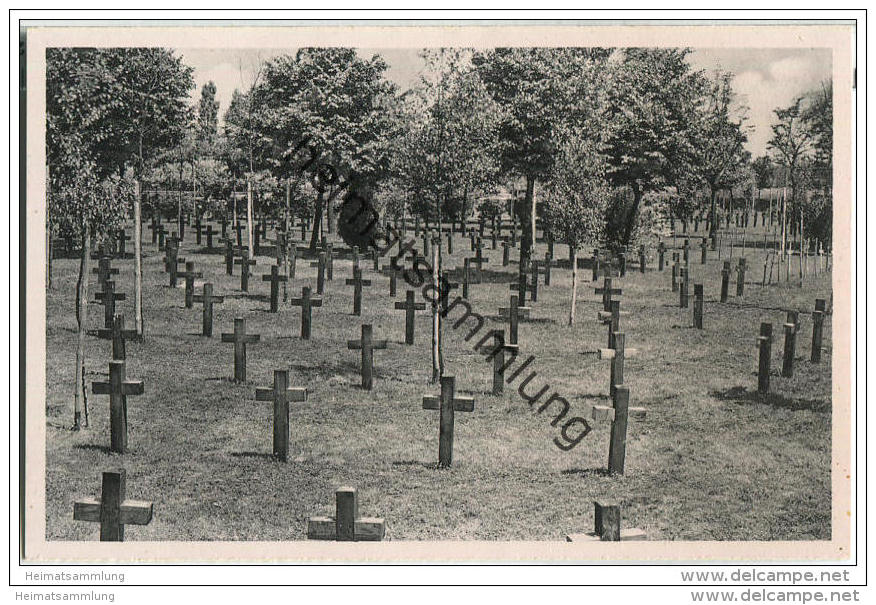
{"points": [[765, 78]]}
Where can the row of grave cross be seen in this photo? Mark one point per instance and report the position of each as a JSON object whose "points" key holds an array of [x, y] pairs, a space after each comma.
{"points": [[114, 510]]}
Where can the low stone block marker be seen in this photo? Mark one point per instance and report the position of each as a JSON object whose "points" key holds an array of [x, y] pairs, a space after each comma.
{"points": [[347, 525], [113, 510], [607, 526]]}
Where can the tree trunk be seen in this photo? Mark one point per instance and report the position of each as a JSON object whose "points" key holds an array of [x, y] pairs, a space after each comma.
{"points": [[527, 223], [713, 224], [80, 401], [286, 238], [249, 217], [179, 203], [436, 318], [573, 257], [138, 264], [317, 222], [632, 215]]}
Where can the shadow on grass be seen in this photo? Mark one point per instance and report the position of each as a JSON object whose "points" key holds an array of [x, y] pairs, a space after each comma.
{"points": [[103, 449], [587, 472], [743, 395], [255, 297], [428, 465], [260, 455]]}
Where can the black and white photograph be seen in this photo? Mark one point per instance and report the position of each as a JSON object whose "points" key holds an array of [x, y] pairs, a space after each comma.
{"points": [[481, 289]]}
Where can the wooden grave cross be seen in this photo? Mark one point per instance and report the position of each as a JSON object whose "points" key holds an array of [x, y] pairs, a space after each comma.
{"points": [[703, 247], [533, 285], [113, 510], [817, 330], [281, 394], [275, 278], [330, 262], [607, 527], [661, 251], [210, 232], [104, 270], [513, 314], [447, 405], [240, 339], [122, 238], [189, 275], [229, 256], [595, 265], [607, 291], [199, 230], [521, 287], [790, 327], [641, 258], [686, 250], [506, 245], [367, 345], [347, 525], [162, 233], [245, 263], [725, 281], [118, 388], [466, 277], [740, 277], [616, 353], [357, 282], [619, 414], [108, 299], [306, 302], [498, 357], [683, 286], [479, 257], [698, 307], [444, 288], [208, 300], [153, 227], [548, 263], [117, 333], [611, 319], [409, 306], [764, 344], [320, 272]]}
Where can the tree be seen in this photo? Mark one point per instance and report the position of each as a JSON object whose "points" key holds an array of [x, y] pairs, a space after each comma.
{"points": [[578, 196], [89, 199], [654, 102], [763, 171], [721, 135], [148, 113], [208, 116], [792, 144], [331, 103]]}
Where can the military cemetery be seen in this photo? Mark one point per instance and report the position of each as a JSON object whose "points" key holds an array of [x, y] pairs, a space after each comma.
{"points": [[589, 329]]}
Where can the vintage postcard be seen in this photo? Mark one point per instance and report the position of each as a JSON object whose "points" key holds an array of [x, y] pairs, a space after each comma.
{"points": [[422, 292]]}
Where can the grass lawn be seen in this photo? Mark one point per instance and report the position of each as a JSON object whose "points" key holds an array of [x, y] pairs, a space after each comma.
{"points": [[711, 461]]}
